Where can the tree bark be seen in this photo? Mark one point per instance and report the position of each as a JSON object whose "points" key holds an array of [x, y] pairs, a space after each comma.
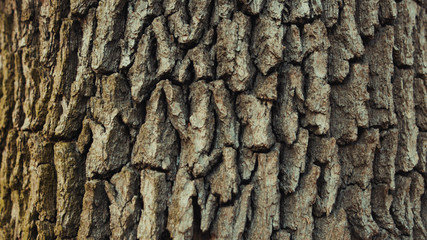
{"points": [[213, 119]]}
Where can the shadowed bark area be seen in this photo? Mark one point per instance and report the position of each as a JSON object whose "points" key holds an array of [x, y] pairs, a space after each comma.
{"points": [[213, 119]]}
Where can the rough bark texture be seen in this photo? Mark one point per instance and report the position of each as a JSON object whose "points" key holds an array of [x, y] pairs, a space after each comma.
{"points": [[213, 119]]}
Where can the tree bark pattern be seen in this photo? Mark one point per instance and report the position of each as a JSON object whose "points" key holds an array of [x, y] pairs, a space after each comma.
{"points": [[213, 119]]}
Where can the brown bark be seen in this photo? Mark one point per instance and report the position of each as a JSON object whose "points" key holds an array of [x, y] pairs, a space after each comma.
{"points": [[213, 119]]}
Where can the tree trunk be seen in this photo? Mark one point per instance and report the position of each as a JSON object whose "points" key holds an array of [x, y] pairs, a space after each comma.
{"points": [[213, 119]]}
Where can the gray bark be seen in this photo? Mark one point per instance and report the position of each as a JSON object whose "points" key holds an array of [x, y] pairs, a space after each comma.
{"points": [[213, 119]]}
